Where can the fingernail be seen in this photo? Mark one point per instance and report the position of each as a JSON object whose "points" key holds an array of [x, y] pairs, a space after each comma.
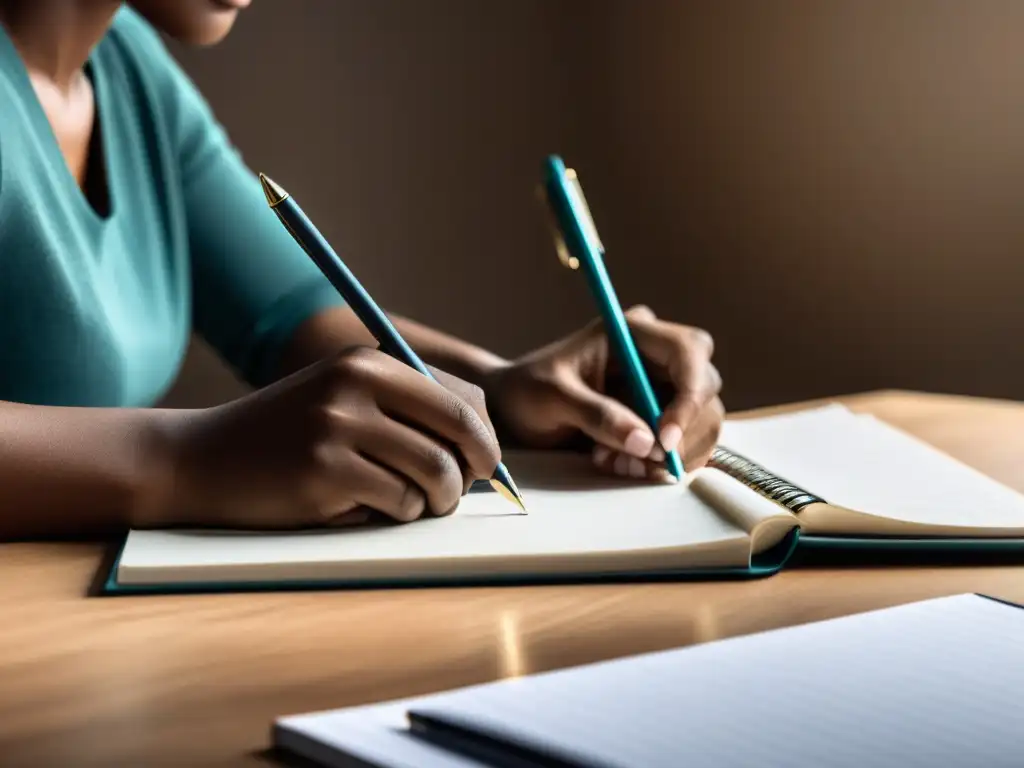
{"points": [[637, 468], [639, 443], [601, 454], [670, 437], [621, 465], [656, 453]]}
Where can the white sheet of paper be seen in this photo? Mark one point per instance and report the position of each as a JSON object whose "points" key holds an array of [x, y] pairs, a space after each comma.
{"points": [[924, 684], [572, 512], [931, 683]]}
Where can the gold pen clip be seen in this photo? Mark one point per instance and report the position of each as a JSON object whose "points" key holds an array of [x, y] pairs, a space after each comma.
{"points": [[580, 201], [590, 230], [567, 259]]}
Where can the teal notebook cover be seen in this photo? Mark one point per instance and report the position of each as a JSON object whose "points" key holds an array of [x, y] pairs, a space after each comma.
{"points": [[893, 551], [883, 544]]}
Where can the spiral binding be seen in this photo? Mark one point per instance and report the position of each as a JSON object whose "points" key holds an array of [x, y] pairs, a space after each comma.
{"points": [[761, 480]]}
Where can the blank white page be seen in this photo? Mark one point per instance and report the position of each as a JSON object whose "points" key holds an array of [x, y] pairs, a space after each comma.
{"points": [[866, 465], [936, 683], [575, 516]]}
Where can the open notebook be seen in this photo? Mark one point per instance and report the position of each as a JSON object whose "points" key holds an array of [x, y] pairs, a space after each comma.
{"points": [[823, 477], [933, 683]]}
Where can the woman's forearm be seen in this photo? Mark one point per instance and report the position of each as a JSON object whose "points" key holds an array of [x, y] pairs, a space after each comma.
{"points": [[70, 472], [335, 329], [74, 472]]}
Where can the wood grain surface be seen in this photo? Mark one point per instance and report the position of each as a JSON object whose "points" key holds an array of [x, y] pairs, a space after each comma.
{"points": [[197, 680]]}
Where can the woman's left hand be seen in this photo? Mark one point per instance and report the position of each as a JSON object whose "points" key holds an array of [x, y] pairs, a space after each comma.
{"points": [[572, 388]]}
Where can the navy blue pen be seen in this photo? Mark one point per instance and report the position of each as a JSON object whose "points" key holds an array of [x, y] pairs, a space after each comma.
{"points": [[365, 308]]}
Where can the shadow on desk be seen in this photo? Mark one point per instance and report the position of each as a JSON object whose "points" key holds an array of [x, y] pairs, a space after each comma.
{"points": [[106, 565], [276, 758]]}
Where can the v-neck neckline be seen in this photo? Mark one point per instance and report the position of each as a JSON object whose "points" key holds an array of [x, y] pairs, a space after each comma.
{"points": [[48, 137]]}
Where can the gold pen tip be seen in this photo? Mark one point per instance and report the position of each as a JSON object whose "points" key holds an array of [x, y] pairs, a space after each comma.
{"points": [[512, 494], [273, 191]]}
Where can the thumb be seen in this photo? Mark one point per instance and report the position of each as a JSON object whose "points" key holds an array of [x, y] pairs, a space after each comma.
{"points": [[605, 420]]}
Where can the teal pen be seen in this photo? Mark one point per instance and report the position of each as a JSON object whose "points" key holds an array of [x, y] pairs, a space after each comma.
{"points": [[377, 323], [580, 247]]}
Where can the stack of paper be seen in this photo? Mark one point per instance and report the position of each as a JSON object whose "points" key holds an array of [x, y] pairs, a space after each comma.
{"points": [[927, 684]]}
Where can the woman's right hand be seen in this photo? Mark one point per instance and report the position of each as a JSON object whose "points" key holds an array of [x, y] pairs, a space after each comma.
{"points": [[330, 444]]}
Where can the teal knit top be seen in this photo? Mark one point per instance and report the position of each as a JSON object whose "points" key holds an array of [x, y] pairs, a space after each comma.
{"points": [[97, 305]]}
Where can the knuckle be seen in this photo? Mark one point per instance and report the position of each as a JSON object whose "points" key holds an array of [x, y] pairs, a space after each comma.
{"points": [[474, 393], [701, 339], [440, 466], [471, 428], [342, 424], [467, 421], [640, 312], [356, 364], [557, 381], [322, 457], [362, 353], [411, 504], [445, 479], [319, 443], [460, 387]]}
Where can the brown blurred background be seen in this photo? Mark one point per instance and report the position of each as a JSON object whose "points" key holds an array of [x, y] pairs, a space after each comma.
{"points": [[834, 189]]}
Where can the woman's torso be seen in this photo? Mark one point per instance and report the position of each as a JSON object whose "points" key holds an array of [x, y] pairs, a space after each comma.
{"points": [[94, 308]]}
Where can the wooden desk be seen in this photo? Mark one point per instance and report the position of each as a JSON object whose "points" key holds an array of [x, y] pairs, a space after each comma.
{"points": [[197, 680]]}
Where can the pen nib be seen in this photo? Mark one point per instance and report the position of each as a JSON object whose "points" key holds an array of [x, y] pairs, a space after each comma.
{"points": [[274, 192], [510, 492]]}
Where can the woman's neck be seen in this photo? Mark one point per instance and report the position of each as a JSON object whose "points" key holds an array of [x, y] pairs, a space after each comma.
{"points": [[56, 37]]}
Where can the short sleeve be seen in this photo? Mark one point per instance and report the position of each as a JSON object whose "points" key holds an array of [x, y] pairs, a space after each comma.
{"points": [[252, 285]]}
